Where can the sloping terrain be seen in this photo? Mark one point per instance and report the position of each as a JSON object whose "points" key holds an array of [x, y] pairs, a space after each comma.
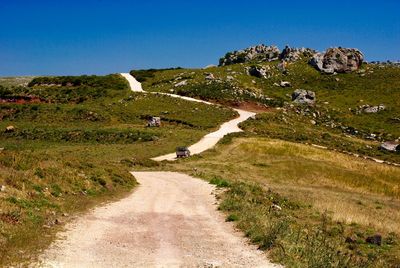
{"points": [[72, 144], [338, 110]]}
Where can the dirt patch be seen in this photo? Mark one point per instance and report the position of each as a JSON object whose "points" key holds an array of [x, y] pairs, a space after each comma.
{"points": [[251, 106]]}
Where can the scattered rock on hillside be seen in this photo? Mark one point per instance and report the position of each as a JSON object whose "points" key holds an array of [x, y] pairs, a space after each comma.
{"points": [[230, 78], [373, 109], [258, 71], [209, 76], [10, 129], [285, 84], [181, 84], [340, 60], [290, 54], [255, 53], [390, 146], [302, 96], [282, 66]]}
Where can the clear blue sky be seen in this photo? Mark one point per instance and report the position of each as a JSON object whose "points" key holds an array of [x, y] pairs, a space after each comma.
{"points": [[106, 36]]}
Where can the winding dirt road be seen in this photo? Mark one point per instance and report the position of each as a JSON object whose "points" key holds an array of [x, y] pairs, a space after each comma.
{"points": [[170, 220], [211, 139]]}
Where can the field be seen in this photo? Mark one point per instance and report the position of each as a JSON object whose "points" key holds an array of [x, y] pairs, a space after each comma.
{"points": [[304, 160], [289, 182], [73, 145], [337, 108], [330, 202]]}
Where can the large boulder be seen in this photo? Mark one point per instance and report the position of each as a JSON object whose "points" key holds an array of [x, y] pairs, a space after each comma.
{"points": [[303, 96], [256, 53], [338, 59], [258, 71], [290, 54]]}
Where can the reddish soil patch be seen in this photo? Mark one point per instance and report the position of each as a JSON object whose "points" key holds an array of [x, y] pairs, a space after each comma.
{"points": [[22, 100], [8, 218], [251, 106]]}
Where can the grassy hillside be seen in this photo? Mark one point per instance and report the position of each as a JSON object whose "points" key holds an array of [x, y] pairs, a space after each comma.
{"points": [[330, 202], [74, 142], [339, 97]]}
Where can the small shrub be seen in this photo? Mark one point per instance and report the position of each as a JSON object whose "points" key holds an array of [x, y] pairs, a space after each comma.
{"points": [[219, 182], [232, 217]]}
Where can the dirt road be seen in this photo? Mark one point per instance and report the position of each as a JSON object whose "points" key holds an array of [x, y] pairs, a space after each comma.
{"points": [[133, 83], [211, 139], [169, 221]]}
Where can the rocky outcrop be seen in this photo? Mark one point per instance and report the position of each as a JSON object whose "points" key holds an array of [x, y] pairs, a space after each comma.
{"points": [[302, 96], [255, 53], [339, 60], [258, 71], [290, 54]]}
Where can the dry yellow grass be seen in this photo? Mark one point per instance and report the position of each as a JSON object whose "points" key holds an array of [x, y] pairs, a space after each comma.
{"points": [[351, 189]]}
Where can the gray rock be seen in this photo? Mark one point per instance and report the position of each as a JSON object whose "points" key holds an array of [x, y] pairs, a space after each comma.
{"points": [[282, 66], [181, 84], [390, 146], [374, 109], [2, 188], [290, 54], [255, 53], [230, 78], [339, 60], [285, 84], [209, 76], [258, 71], [302, 96]]}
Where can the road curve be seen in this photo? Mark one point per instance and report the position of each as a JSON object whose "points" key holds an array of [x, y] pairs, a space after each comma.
{"points": [[211, 139], [208, 141], [171, 220]]}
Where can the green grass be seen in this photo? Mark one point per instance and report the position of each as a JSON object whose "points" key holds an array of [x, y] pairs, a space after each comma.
{"points": [[338, 96], [76, 147], [290, 126], [325, 198], [15, 81]]}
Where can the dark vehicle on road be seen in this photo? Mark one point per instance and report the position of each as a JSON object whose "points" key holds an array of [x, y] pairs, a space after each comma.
{"points": [[182, 152]]}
